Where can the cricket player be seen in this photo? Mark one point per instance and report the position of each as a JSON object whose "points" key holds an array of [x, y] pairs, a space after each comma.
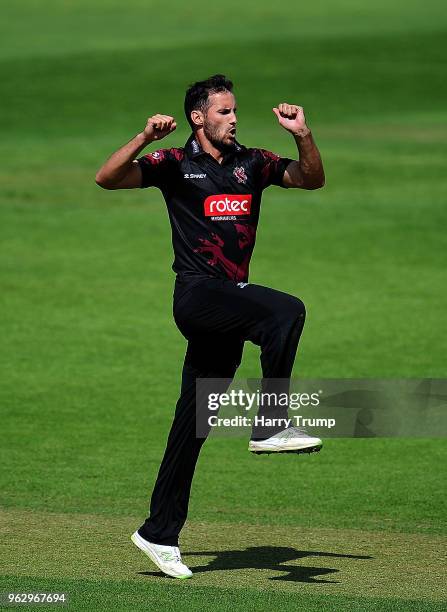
{"points": [[213, 187]]}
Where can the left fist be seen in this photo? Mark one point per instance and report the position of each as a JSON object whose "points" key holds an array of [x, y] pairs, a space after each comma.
{"points": [[291, 118]]}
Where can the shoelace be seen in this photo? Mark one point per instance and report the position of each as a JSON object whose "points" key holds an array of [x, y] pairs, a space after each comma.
{"points": [[293, 432]]}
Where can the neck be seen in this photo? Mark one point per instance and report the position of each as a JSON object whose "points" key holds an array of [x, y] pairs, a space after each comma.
{"points": [[208, 147]]}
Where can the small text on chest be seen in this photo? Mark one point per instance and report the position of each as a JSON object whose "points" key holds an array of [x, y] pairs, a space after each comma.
{"points": [[194, 176]]}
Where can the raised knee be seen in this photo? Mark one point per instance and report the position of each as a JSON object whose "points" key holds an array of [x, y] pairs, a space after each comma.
{"points": [[292, 314], [295, 309]]}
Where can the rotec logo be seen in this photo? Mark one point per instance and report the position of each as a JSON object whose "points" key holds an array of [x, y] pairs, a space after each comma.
{"points": [[227, 204]]}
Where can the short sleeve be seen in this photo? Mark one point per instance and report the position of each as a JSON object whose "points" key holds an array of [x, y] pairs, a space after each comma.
{"points": [[155, 168], [272, 168]]}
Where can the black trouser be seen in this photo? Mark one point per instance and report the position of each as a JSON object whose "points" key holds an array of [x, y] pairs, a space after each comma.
{"points": [[216, 316]]}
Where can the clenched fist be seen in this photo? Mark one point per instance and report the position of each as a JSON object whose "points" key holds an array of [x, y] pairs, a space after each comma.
{"points": [[159, 126], [291, 118]]}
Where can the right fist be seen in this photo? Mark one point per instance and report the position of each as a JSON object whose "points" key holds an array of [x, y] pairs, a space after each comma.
{"points": [[159, 126]]}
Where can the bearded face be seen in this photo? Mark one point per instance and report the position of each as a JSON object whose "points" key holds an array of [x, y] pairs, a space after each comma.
{"points": [[219, 120]]}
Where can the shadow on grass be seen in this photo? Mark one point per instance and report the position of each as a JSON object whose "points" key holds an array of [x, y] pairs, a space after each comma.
{"points": [[268, 558]]}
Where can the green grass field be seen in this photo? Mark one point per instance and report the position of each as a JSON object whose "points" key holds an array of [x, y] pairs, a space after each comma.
{"points": [[91, 356]]}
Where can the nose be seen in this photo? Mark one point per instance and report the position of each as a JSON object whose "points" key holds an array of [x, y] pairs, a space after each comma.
{"points": [[233, 118]]}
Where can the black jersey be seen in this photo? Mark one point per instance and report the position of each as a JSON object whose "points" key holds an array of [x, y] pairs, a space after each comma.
{"points": [[213, 208]]}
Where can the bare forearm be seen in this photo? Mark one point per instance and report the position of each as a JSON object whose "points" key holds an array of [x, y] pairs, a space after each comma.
{"points": [[310, 166], [119, 163], [120, 171], [307, 172]]}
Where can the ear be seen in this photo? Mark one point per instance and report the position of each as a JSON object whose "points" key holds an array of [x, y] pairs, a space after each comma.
{"points": [[197, 118]]}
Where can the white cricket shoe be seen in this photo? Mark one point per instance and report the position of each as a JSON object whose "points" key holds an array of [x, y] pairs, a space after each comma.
{"points": [[166, 558], [290, 440]]}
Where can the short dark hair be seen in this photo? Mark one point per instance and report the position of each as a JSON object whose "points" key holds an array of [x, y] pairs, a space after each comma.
{"points": [[198, 93]]}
